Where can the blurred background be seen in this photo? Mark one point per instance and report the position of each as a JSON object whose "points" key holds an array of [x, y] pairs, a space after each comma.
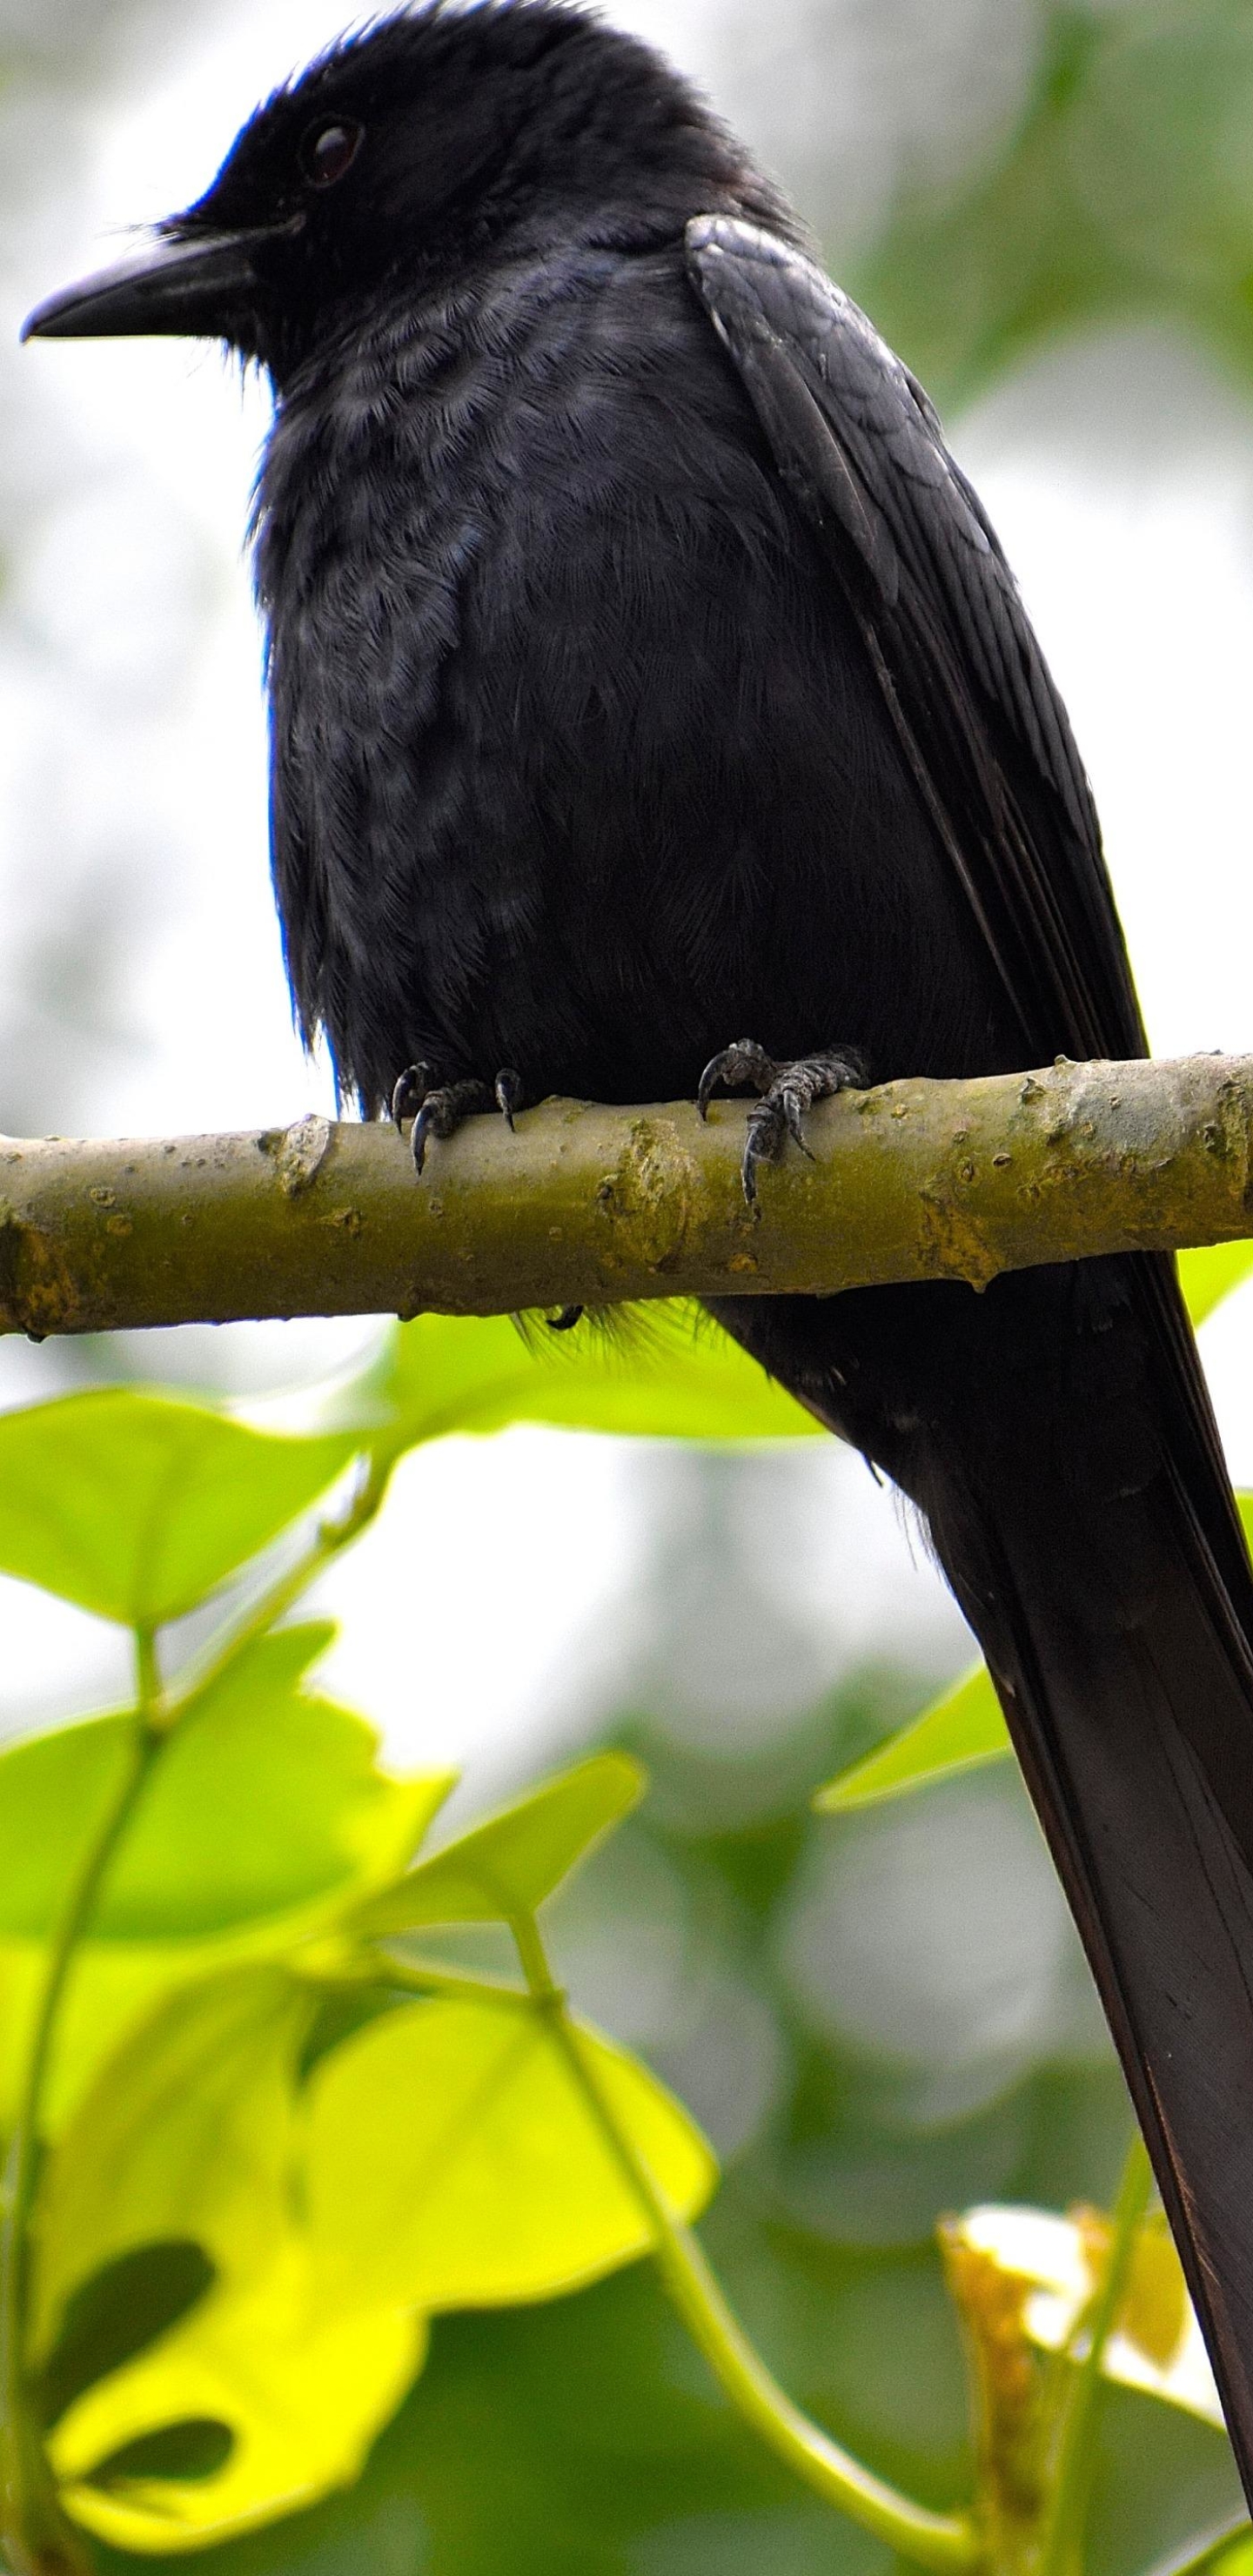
{"points": [[1050, 210]]}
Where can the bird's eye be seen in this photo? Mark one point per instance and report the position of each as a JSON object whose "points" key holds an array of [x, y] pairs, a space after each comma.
{"points": [[328, 152]]}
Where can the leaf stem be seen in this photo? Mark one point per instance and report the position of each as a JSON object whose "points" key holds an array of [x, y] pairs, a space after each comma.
{"points": [[946, 2543], [1077, 2441], [38, 2539], [330, 1538], [34, 2529], [439, 1984]]}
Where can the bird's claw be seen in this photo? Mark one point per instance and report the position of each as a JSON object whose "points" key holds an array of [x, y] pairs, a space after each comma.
{"points": [[441, 1114], [745, 1063], [437, 1109], [786, 1092], [409, 1092], [508, 1094], [566, 1320]]}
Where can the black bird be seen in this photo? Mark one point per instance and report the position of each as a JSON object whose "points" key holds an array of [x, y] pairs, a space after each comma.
{"points": [[643, 670]]}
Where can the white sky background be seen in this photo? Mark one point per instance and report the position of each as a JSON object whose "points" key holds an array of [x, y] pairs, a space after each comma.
{"points": [[131, 739]]}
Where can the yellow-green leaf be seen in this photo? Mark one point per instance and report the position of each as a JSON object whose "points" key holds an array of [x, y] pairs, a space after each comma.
{"points": [[506, 1868], [266, 1797], [446, 2156], [1155, 2310], [453, 2160], [667, 1373], [1209, 1274], [1231, 2556], [187, 2133], [266, 1809], [961, 1731], [136, 1506], [299, 2393]]}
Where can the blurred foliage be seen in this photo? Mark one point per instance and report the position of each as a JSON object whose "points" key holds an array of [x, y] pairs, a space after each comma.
{"points": [[298, 2105], [663, 1374], [318, 2180], [961, 1732], [1126, 190]]}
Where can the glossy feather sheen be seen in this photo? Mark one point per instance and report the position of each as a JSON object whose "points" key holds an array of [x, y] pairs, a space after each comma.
{"points": [[645, 675]]}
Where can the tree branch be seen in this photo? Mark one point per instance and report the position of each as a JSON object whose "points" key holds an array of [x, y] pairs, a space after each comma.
{"points": [[588, 1206]]}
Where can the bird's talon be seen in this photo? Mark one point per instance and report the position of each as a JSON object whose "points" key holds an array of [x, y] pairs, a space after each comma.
{"points": [[796, 1131], [418, 1134], [743, 1062], [438, 1109], [566, 1320], [508, 1090], [409, 1092], [785, 1091]]}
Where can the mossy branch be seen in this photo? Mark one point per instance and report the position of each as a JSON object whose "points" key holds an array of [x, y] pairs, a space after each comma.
{"points": [[586, 1205]]}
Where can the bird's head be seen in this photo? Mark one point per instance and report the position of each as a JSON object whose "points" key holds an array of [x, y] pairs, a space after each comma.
{"points": [[411, 145]]}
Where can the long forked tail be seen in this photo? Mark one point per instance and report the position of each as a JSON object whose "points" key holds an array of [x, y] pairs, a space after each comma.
{"points": [[1106, 1728], [1057, 1437], [1079, 1505]]}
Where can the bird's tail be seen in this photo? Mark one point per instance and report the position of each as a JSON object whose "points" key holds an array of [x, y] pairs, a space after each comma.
{"points": [[1057, 1437], [1137, 1748]]}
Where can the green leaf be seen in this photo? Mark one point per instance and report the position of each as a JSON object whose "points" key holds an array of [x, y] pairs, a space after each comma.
{"points": [[191, 2129], [1210, 1273], [266, 1811], [300, 2394], [446, 2155], [505, 1868], [55, 1791], [136, 1507], [453, 2161], [961, 1731], [266, 1798], [187, 2133], [667, 1373], [1224, 2553]]}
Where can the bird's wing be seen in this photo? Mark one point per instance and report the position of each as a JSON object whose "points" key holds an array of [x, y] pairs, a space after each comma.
{"points": [[979, 719], [967, 687]]}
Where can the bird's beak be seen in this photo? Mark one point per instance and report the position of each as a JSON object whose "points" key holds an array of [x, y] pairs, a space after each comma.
{"points": [[190, 285]]}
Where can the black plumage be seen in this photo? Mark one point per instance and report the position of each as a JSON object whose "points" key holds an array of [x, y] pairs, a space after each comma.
{"points": [[645, 674]]}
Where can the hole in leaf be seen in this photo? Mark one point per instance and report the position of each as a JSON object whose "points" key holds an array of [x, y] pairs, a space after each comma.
{"points": [[197, 2448], [116, 2314]]}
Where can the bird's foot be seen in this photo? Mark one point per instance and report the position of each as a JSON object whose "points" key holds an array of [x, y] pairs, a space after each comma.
{"points": [[786, 1092], [437, 1109]]}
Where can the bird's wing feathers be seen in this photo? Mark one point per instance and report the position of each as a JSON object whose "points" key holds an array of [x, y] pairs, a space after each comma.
{"points": [[858, 443]]}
